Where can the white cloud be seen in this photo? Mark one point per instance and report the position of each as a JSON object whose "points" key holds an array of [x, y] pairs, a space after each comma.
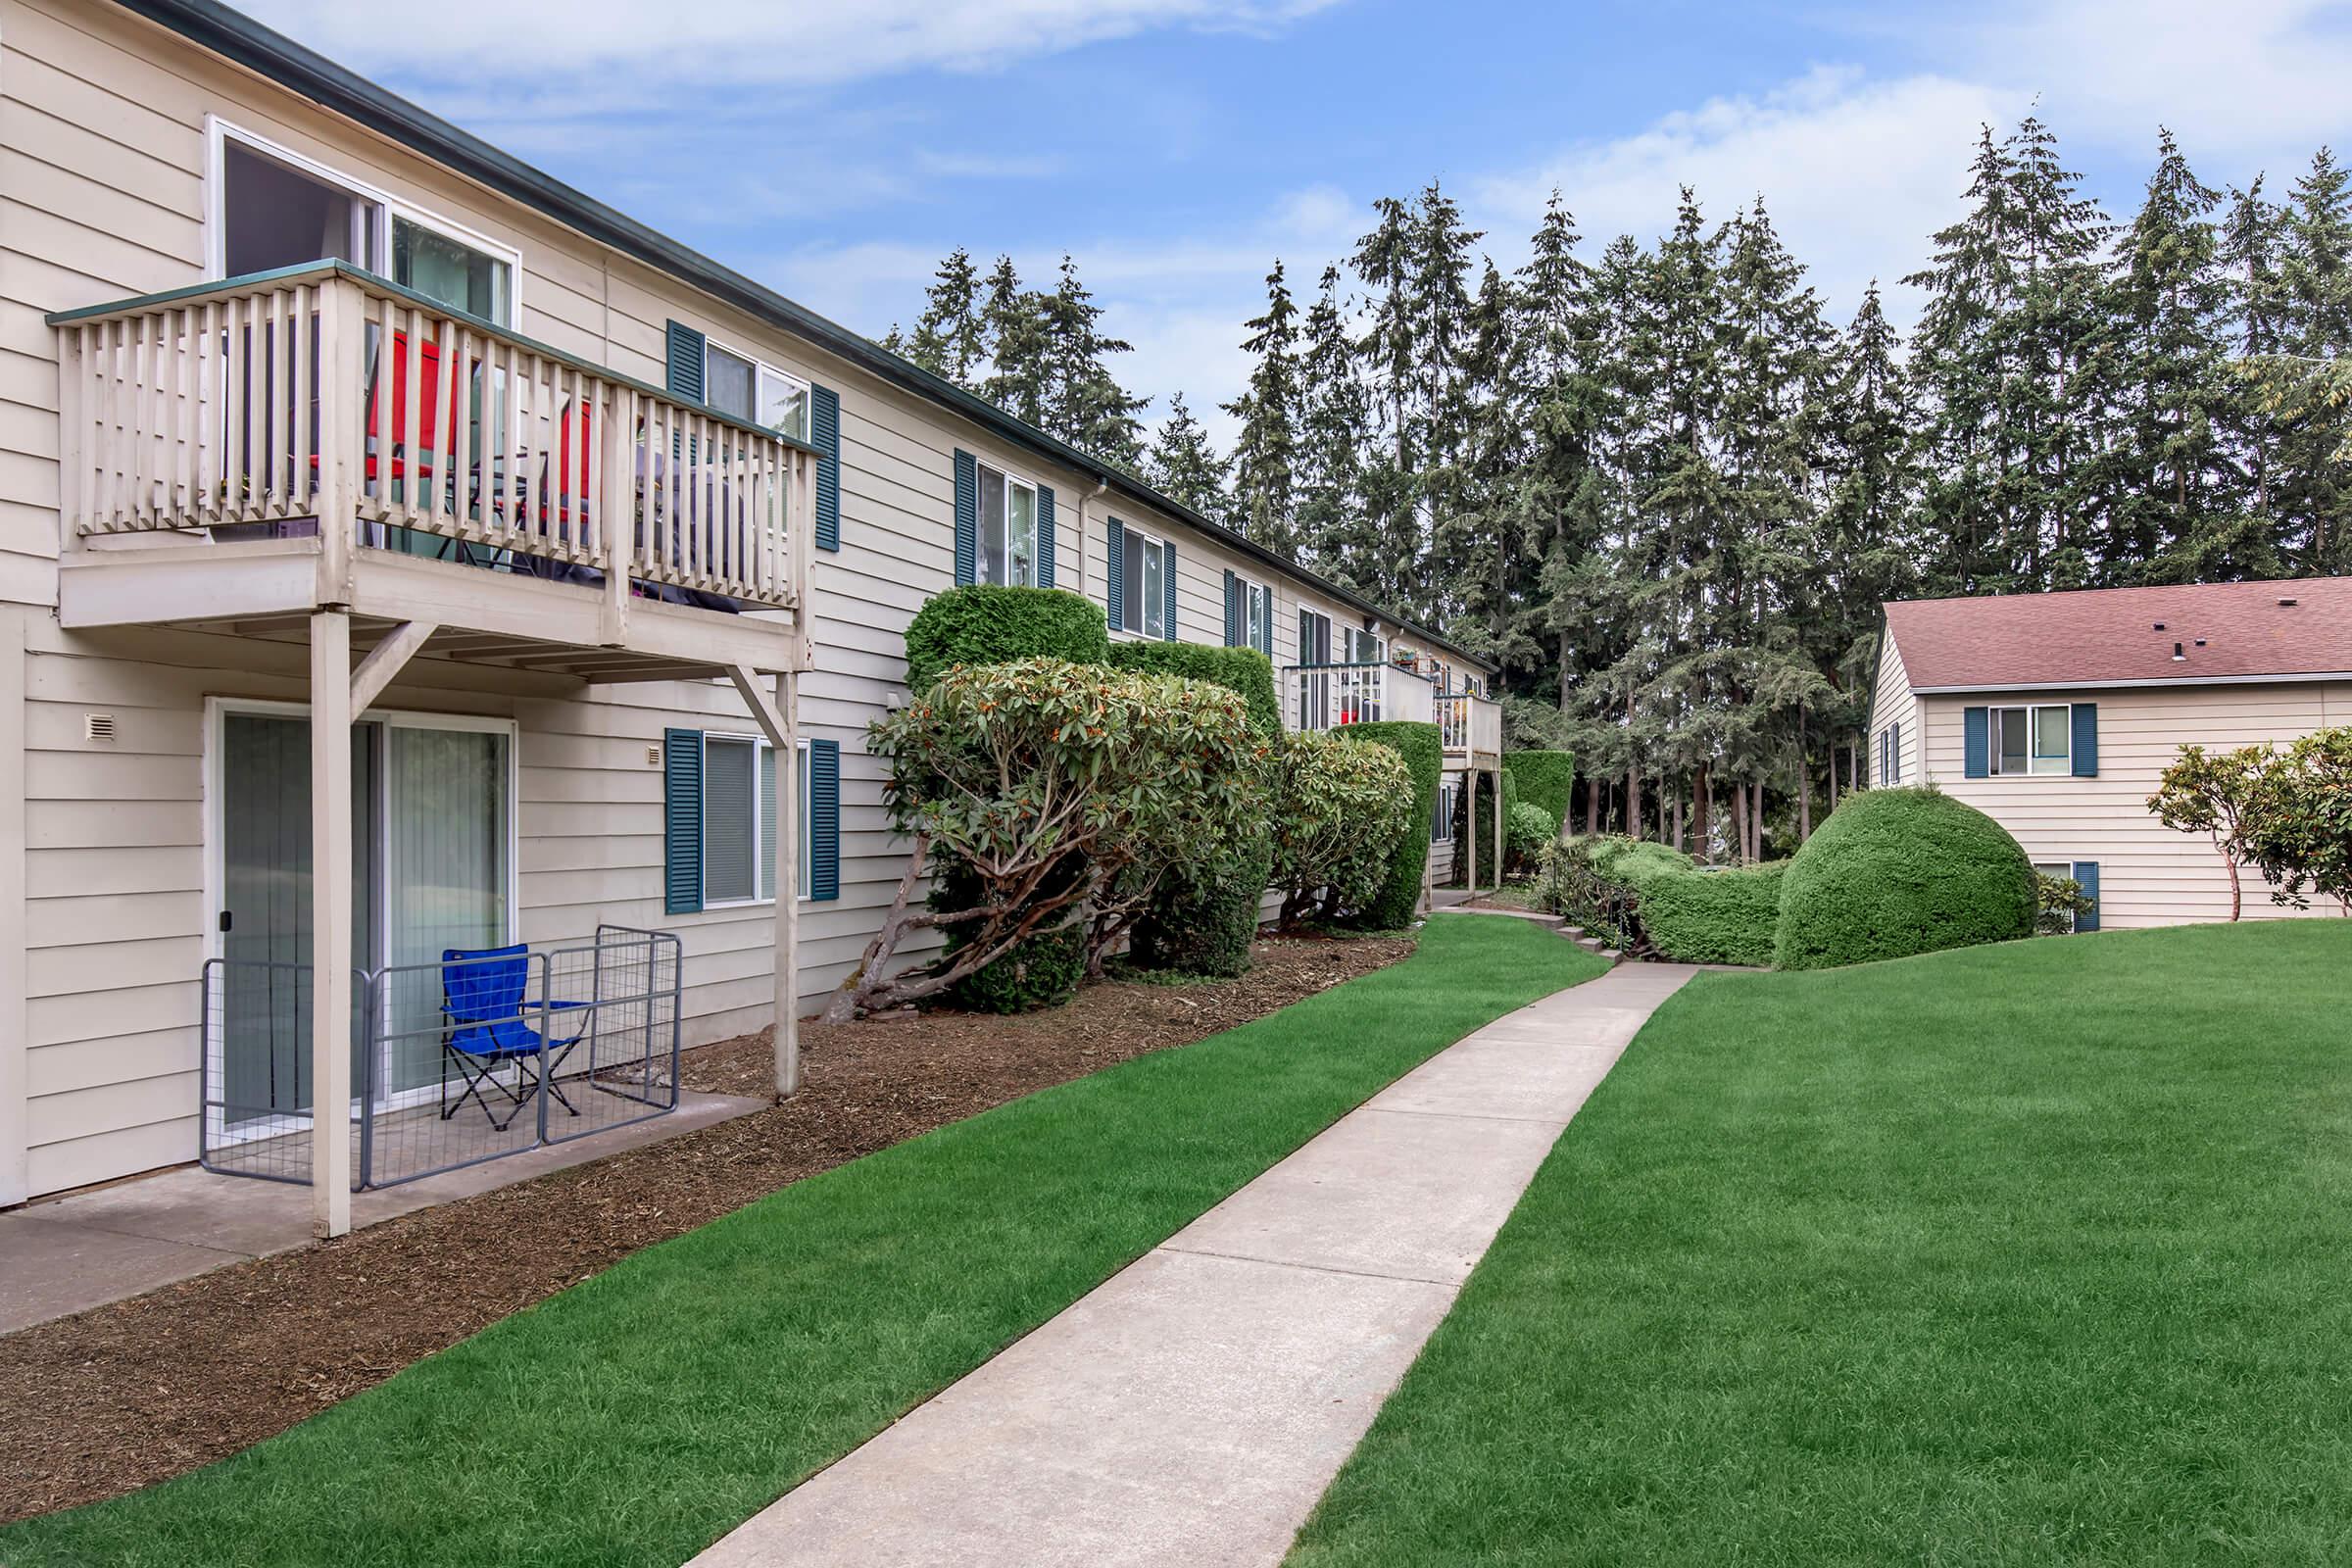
{"points": [[1856, 173], [627, 50]]}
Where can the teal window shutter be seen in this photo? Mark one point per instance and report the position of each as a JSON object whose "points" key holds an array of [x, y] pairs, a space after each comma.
{"points": [[1114, 594], [682, 820], [968, 520], [1233, 611], [686, 349], [1894, 752], [2087, 874], [2085, 719], [1167, 591], [1044, 536], [824, 819], [1976, 735], [824, 434]]}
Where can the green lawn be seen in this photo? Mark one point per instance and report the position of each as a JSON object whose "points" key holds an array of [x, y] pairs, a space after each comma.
{"points": [[2030, 1254], [638, 1417]]}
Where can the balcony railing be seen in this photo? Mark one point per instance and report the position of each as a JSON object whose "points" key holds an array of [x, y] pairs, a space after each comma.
{"points": [[324, 398], [1320, 697], [1470, 724]]}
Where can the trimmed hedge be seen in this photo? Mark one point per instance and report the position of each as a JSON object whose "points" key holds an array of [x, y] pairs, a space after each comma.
{"points": [[1240, 669], [986, 624], [1544, 778], [1424, 754], [1727, 916], [1526, 830], [1898, 871]]}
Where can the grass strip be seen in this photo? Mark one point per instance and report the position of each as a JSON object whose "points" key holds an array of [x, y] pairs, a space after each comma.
{"points": [[2024, 1253], [641, 1414]]}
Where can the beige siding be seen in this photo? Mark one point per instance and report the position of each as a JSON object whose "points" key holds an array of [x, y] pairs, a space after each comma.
{"points": [[2148, 874], [1893, 704], [103, 168]]}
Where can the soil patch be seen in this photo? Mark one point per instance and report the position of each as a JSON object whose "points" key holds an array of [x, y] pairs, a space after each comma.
{"points": [[127, 1394]]}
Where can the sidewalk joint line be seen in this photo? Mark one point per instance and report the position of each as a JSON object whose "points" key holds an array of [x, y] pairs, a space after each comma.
{"points": [[1311, 1268]]}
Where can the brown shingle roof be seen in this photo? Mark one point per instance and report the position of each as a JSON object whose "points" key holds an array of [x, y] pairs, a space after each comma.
{"points": [[2226, 630]]}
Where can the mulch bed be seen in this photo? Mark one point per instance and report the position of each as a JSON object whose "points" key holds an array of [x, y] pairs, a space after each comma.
{"points": [[124, 1395]]}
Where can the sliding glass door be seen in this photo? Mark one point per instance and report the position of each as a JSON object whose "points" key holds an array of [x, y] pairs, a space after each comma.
{"points": [[431, 831]]}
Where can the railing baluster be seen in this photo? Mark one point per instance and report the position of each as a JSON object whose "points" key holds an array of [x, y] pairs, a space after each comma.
{"points": [[303, 339]]}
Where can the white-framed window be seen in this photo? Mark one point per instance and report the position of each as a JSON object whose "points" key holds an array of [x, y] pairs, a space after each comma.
{"points": [[739, 820], [754, 391], [1890, 755], [1257, 617], [1362, 647], [1441, 826], [2034, 739], [1144, 593], [1008, 549], [271, 207]]}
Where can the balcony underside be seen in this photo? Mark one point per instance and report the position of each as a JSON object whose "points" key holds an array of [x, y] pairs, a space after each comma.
{"points": [[271, 588]]}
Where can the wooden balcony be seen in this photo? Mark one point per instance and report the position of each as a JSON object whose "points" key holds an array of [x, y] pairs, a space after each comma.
{"points": [[250, 452], [1321, 696], [1470, 729]]}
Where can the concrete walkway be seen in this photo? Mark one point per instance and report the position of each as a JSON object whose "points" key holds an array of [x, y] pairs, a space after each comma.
{"points": [[68, 1254], [1194, 1407]]}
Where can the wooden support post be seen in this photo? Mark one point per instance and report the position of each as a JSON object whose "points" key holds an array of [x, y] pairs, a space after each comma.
{"points": [[1470, 822], [1500, 842], [780, 722], [331, 923]]}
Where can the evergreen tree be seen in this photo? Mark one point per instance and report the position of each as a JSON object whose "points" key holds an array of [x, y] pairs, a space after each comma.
{"points": [[2252, 236], [1334, 429], [1020, 347], [1084, 402], [2310, 497], [2176, 511], [1265, 452], [1184, 467], [949, 338]]}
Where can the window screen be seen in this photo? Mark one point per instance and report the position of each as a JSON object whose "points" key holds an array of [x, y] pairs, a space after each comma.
{"points": [[730, 825]]}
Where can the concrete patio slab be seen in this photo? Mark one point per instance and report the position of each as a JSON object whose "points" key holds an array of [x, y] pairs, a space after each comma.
{"points": [[1191, 1409], [69, 1255]]}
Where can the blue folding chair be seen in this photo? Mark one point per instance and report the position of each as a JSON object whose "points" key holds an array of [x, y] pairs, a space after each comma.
{"points": [[484, 1027]]}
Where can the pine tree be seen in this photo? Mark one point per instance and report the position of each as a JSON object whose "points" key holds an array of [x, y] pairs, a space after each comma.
{"points": [[1184, 467], [2311, 497], [949, 338], [2176, 512], [2252, 237], [1265, 451], [1019, 349], [1330, 533], [1084, 402]]}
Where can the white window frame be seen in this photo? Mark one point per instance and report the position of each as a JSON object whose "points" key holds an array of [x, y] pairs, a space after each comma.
{"points": [[2036, 765], [1354, 641], [1891, 752], [1007, 482], [1449, 791], [1257, 596], [763, 367], [764, 869], [1150, 608], [218, 132]]}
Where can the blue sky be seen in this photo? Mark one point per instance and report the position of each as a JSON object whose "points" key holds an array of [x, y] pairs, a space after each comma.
{"points": [[1176, 147]]}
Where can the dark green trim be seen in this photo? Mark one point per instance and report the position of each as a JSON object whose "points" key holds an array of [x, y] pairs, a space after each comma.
{"points": [[824, 432], [968, 520], [824, 821], [239, 38], [682, 821], [1046, 529]]}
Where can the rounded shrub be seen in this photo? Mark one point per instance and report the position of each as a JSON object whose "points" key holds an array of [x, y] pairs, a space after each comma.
{"points": [[1527, 829], [1898, 871], [1339, 812], [1399, 899], [985, 624]]}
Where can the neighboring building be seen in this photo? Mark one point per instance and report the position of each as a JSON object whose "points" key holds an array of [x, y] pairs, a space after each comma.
{"points": [[2054, 713], [241, 287]]}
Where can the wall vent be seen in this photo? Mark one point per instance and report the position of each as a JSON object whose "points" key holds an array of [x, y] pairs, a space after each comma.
{"points": [[653, 756], [2286, 603], [2178, 655], [97, 726]]}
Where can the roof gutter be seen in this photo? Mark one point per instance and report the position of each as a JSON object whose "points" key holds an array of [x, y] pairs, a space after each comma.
{"points": [[239, 38], [2297, 679]]}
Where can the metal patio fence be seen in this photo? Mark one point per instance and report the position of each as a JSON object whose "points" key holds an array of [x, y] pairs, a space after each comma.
{"points": [[453, 1063]]}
